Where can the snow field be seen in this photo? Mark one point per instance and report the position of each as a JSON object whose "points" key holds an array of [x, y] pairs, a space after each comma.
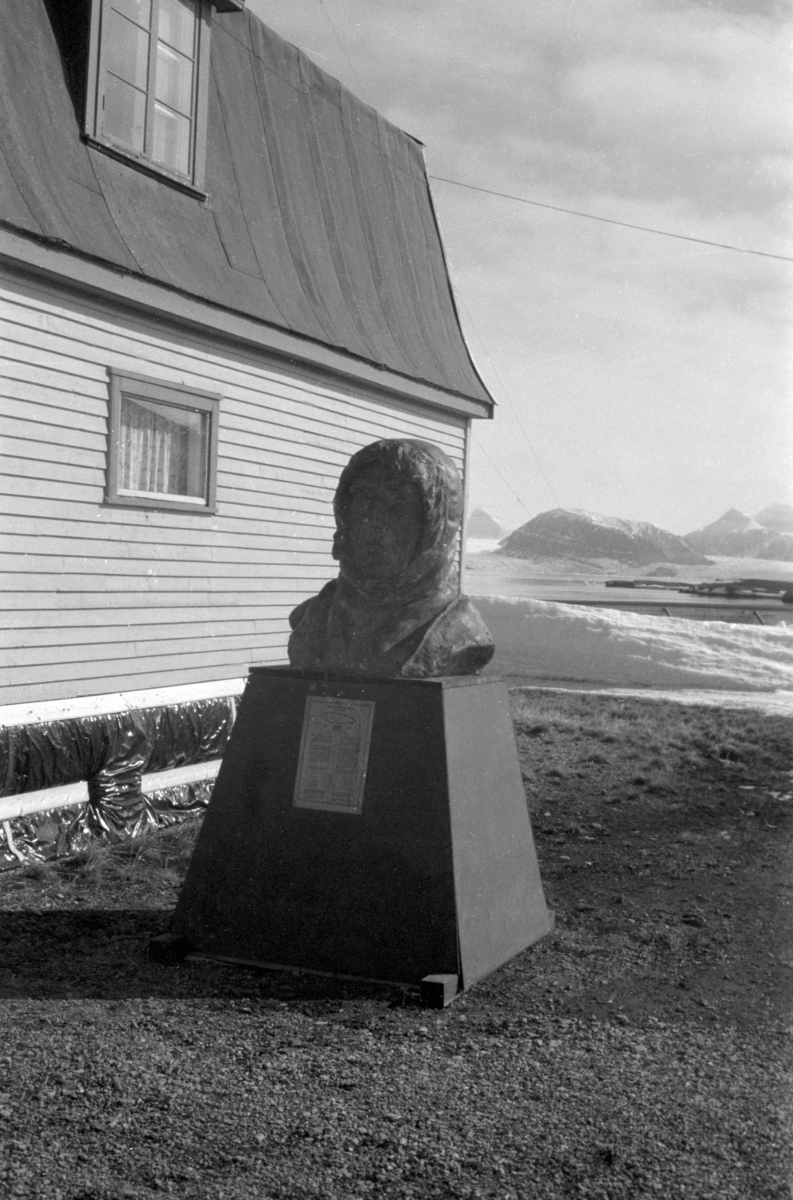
{"points": [[541, 640]]}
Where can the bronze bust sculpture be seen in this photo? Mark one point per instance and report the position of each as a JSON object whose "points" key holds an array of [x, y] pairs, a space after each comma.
{"points": [[395, 608]]}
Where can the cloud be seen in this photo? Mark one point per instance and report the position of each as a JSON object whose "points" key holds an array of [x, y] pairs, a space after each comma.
{"points": [[630, 100], [647, 372]]}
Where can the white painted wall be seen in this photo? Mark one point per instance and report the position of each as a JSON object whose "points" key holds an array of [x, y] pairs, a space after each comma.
{"points": [[97, 599]]}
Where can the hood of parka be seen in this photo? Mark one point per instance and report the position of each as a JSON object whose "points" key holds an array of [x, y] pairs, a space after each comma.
{"points": [[431, 573]]}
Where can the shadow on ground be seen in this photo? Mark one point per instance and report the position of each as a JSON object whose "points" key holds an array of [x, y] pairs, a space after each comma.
{"points": [[102, 954]]}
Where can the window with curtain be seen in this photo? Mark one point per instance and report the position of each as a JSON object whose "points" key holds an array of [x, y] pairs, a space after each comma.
{"points": [[163, 444]]}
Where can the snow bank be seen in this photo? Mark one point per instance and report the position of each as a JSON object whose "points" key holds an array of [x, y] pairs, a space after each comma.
{"points": [[540, 640], [481, 545]]}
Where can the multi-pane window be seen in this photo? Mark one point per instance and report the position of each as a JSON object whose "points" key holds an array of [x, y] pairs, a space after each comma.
{"points": [[163, 445], [148, 98]]}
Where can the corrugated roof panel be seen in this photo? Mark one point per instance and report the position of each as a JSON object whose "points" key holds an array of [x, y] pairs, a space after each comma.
{"points": [[226, 208], [345, 229], [319, 220], [258, 195], [40, 142], [435, 262], [428, 303], [172, 238], [301, 210], [388, 249], [13, 206], [278, 55]]}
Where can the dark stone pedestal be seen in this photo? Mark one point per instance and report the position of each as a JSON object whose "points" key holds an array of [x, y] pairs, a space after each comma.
{"points": [[422, 861]]}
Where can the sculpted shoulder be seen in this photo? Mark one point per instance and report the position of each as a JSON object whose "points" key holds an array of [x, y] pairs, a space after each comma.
{"points": [[457, 643], [302, 610]]}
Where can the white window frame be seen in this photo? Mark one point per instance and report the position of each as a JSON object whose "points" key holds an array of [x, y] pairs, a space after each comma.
{"points": [[94, 135], [175, 395]]}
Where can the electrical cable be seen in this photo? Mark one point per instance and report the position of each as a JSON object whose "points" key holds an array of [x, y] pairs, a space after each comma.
{"points": [[569, 212], [504, 479], [574, 212], [723, 16], [341, 44], [527, 439]]}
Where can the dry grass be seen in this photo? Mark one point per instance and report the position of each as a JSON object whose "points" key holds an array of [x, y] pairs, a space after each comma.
{"points": [[645, 743], [152, 864]]}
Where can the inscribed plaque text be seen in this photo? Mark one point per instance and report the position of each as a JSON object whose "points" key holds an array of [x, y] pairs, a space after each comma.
{"points": [[334, 751]]}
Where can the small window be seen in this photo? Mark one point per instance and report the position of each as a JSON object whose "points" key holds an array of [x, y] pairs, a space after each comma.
{"points": [[163, 445], [148, 73]]}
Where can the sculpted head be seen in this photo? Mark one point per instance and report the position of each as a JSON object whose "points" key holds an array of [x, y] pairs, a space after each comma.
{"points": [[398, 508], [396, 607]]}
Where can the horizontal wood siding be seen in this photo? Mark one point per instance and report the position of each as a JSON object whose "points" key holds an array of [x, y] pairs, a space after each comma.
{"points": [[98, 599]]}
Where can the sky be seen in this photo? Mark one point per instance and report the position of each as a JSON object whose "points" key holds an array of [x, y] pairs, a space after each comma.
{"points": [[635, 375]]}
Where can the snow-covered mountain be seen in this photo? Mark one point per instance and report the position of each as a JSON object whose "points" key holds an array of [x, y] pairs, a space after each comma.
{"points": [[737, 536], [480, 524], [583, 536], [778, 517]]}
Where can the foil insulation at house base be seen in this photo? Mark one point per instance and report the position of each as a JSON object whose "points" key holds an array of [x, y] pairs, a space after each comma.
{"points": [[110, 753]]}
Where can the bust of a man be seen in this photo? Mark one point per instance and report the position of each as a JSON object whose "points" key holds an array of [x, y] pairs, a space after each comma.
{"points": [[395, 608]]}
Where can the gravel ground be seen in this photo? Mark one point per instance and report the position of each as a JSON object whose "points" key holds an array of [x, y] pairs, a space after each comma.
{"points": [[642, 1049]]}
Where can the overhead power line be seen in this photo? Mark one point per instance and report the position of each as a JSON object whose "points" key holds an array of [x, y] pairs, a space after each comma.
{"points": [[574, 212], [521, 426], [342, 46], [703, 5], [720, 15], [504, 479]]}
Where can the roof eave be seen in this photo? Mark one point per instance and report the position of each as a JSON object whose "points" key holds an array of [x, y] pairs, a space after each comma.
{"points": [[27, 254]]}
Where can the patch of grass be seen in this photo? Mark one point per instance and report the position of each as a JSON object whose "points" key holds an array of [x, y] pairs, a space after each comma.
{"points": [[151, 863], [659, 736], [38, 871], [597, 758], [536, 729], [601, 733]]}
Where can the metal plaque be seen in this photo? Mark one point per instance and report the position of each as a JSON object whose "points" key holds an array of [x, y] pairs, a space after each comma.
{"points": [[334, 753]]}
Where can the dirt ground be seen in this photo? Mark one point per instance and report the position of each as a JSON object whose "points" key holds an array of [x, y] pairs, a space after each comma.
{"points": [[642, 1049], [665, 835]]}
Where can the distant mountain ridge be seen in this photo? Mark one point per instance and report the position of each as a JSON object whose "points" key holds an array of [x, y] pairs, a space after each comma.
{"points": [[778, 517], [583, 536], [735, 535], [480, 524]]}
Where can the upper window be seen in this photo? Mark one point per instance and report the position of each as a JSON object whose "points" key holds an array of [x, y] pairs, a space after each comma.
{"points": [[148, 83], [163, 445]]}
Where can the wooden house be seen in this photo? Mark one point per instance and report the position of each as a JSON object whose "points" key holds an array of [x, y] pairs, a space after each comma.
{"points": [[220, 275]]}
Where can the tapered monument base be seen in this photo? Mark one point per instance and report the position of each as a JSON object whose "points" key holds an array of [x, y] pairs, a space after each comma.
{"points": [[368, 828]]}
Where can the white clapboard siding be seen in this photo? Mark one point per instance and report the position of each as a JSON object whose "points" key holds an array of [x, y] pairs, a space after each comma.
{"points": [[22, 511], [132, 618], [87, 549], [95, 678], [97, 599], [82, 638]]}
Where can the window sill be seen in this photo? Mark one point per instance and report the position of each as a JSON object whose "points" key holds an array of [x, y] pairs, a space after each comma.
{"points": [[160, 505], [146, 167]]}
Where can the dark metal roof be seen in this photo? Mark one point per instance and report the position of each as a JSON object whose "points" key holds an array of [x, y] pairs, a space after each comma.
{"points": [[319, 220]]}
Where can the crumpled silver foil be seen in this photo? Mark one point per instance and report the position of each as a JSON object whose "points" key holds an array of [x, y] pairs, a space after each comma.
{"points": [[111, 753]]}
